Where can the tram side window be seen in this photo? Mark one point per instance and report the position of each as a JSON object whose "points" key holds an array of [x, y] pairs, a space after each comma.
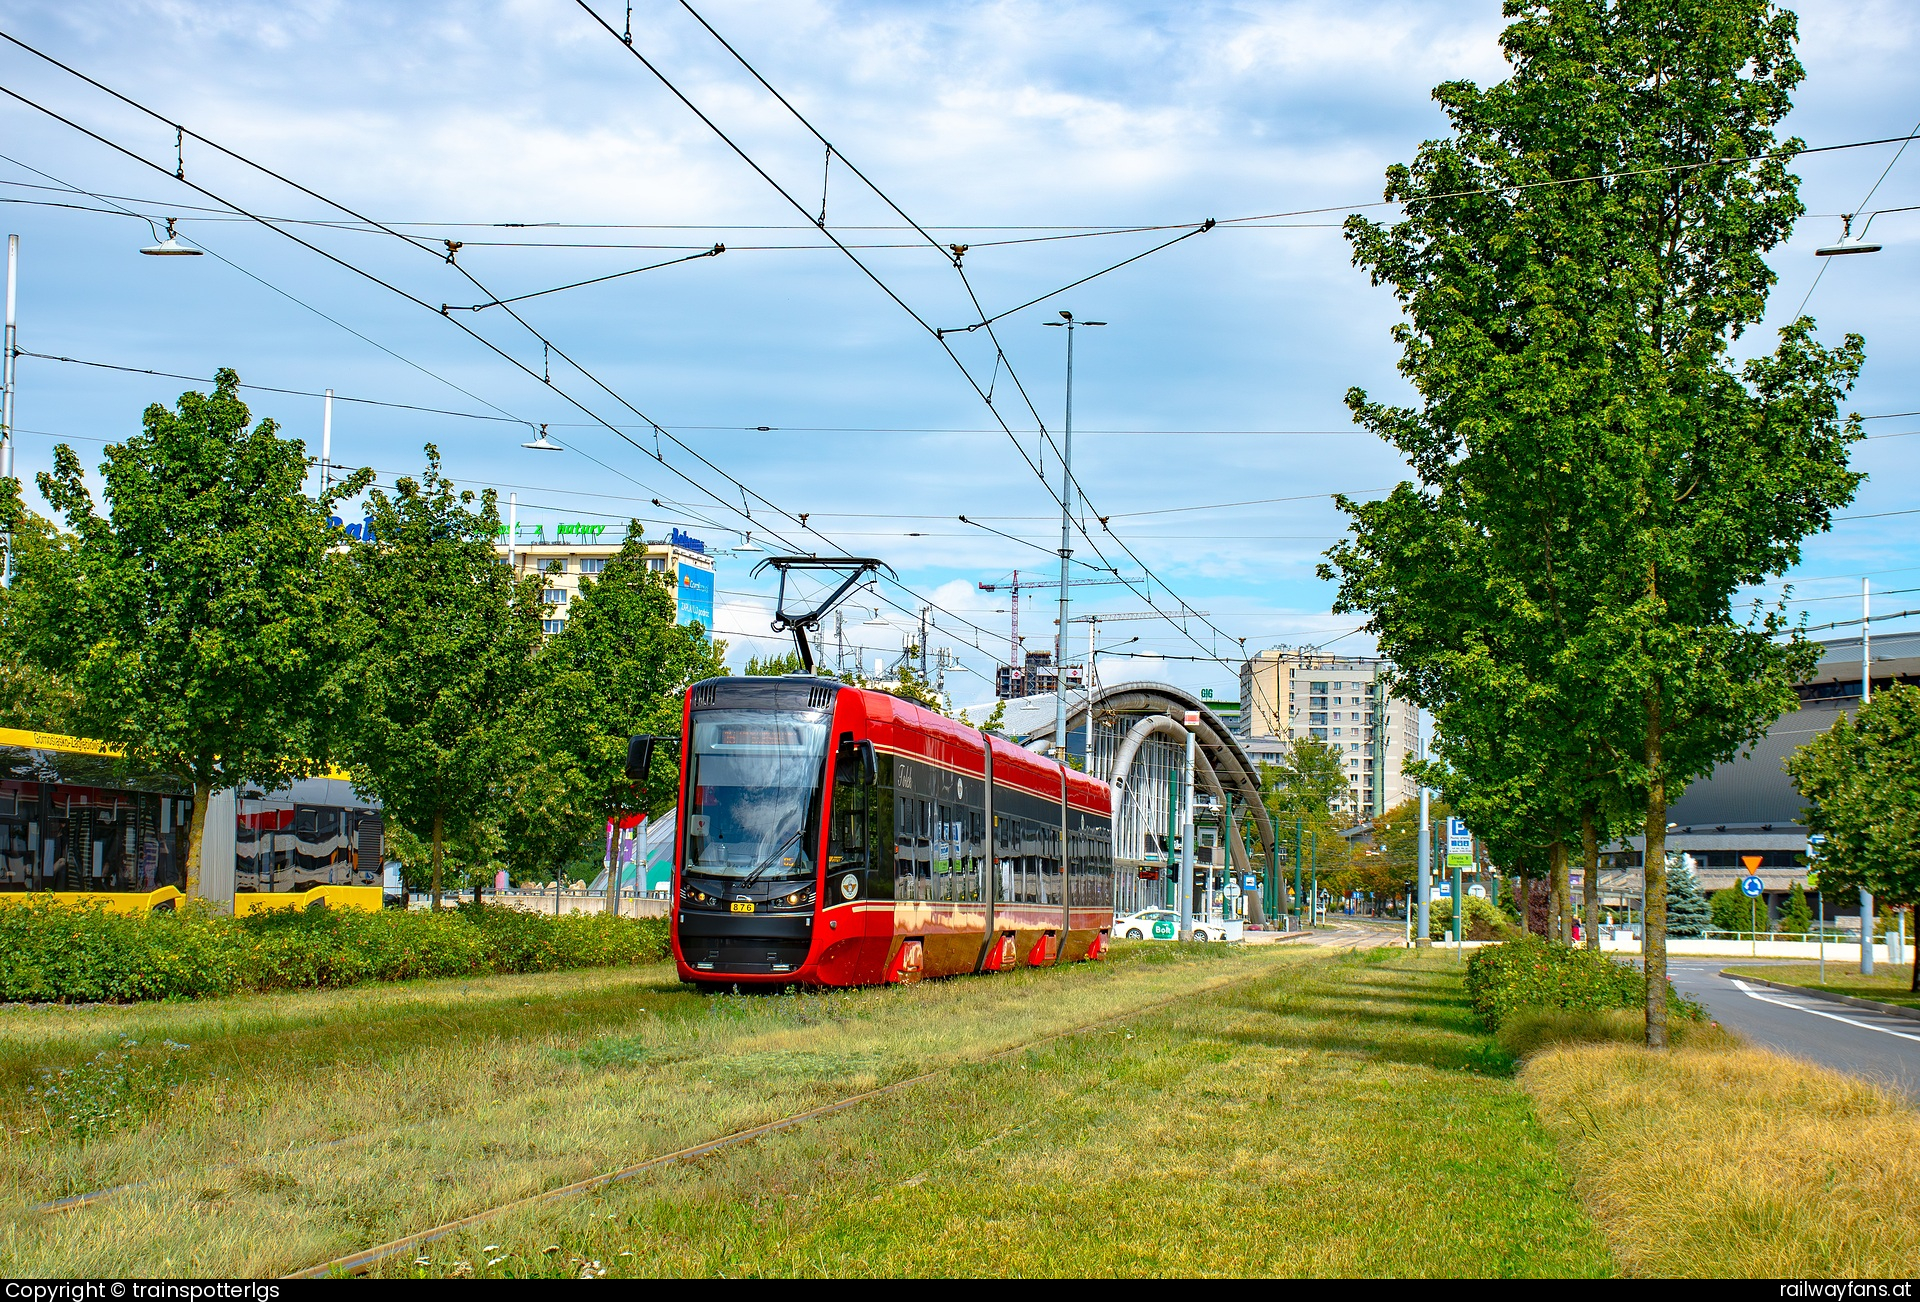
{"points": [[881, 838], [1023, 861], [923, 858], [847, 829], [905, 823], [976, 853], [914, 859], [1007, 859]]}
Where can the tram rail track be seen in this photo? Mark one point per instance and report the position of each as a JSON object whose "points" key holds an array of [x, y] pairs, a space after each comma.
{"points": [[357, 1263]]}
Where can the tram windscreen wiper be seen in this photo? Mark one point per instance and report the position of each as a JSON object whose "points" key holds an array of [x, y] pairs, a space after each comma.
{"points": [[773, 858]]}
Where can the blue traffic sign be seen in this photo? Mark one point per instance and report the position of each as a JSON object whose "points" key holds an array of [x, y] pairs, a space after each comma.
{"points": [[1750, 886]]}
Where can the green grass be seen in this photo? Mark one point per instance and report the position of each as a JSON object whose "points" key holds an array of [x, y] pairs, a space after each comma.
{"points": [[1243, 1110], [1258, 1129], [1889, 984]]}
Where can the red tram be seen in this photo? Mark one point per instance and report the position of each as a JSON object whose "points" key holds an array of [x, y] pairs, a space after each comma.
{"points": [[834, 836]]}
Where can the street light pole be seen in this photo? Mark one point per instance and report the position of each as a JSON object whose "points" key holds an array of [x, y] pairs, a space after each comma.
{"points": [[1186, 837], [1066, 551], [1423, 883], [1866, 695], [6, 394], [326, 444], [1298, 900]]}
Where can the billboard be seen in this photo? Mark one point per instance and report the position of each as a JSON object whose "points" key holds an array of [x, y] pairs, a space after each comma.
{"points": [[695, 596], [1459, 844]]}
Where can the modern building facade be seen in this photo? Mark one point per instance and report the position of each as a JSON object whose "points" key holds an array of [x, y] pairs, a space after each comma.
{"points": [[77, 818], [576, 551], [1292, 692], [1745, 816]]}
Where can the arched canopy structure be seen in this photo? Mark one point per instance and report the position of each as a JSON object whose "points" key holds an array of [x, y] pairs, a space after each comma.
{"points": [[1126, 716]]}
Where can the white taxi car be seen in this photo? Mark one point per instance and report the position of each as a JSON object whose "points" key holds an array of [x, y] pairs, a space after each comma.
{"points": [[1163, 924]]}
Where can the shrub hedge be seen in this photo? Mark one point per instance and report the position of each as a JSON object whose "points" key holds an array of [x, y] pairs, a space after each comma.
{"points": [[1483, 921], [1533, 973], [53, 952]]}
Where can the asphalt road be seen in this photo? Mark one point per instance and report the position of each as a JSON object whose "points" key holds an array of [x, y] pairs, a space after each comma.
{"points": [[1845, 1037]]}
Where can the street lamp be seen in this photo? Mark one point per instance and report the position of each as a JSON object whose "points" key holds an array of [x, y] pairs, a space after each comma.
{"points": [[171, 247], [1066, 552], [543, 443], [749, 545], [1848, 242]]}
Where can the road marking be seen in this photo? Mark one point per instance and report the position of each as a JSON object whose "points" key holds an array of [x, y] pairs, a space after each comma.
{"points": [[1751, 993]]}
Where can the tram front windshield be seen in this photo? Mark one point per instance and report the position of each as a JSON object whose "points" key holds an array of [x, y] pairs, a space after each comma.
{"points": [[753, 782]]}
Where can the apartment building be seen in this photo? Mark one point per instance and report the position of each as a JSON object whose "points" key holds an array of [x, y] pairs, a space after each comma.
{"points": [[576, 551], [1290, 692]]}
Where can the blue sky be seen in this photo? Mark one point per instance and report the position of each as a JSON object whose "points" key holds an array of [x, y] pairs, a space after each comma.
{"points": [[1219, 379]]}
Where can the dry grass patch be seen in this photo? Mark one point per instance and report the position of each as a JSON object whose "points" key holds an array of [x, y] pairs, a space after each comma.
{"points": [[1719, 1162]]}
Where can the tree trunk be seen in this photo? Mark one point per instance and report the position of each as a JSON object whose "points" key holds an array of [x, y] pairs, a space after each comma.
{"points": [[1557, 892], [1654, 915], [439, 828], [1913, 938], [1590, 877], [196, 837]]}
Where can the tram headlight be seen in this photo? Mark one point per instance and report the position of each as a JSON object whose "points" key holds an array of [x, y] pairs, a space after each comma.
{"points": [[793, 898], [849, 886]]}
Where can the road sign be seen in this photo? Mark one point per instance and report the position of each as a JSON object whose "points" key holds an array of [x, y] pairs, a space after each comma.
{"points": [[1752, 861], [1193, 719], [1751, 887], [1459, 844]]}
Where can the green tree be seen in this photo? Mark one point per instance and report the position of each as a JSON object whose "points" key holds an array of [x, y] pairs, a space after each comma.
{"points": [[1688, 913], [773, 665], [1396, 833], [415, 858], [1575, 263], [619, 668], [1732, 910], [1797, 917], [911, 685], [1861, 781], [443, 640], [189, 622], [1301, 789]]}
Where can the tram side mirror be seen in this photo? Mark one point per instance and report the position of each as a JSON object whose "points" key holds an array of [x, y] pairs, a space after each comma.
{"points": [[856, 758], [639, 757]]}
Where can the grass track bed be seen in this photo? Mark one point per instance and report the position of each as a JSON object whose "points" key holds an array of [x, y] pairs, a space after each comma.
{"points": [[1255, 1129], [467, 1094]]}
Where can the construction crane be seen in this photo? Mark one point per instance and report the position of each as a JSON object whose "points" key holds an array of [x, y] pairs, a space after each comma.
{"points": [[1014, 587]]}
